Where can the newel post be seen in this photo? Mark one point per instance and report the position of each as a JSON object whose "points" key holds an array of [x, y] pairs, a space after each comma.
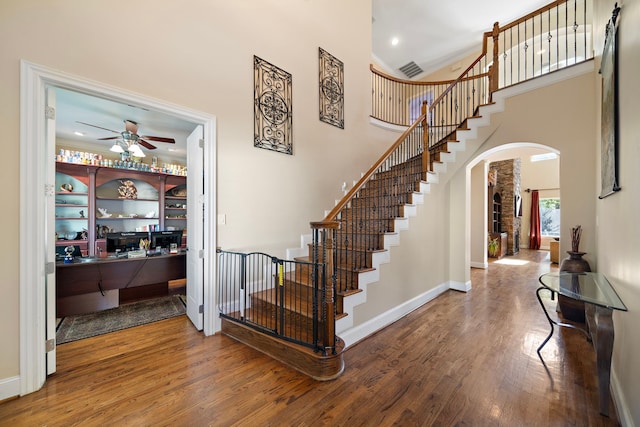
{"points": [[494, 70], [425, 137], [324, 234]]}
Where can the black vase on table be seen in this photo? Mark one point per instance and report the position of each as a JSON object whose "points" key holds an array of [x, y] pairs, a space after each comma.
{"points": [[571, 309]]}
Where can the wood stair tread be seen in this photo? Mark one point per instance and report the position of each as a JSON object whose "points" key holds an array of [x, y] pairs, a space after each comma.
{"points": [[349, 292]]}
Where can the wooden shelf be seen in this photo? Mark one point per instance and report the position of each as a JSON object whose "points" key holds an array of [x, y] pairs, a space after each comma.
{"points": [[100, 189]]}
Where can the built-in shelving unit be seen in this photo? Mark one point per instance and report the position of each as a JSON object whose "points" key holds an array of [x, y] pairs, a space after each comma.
{"points": [[92, 200]]}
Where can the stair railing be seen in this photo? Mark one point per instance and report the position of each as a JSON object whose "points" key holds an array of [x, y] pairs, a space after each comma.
{"points": [[554, 37], [458, 103], [346, 239]]}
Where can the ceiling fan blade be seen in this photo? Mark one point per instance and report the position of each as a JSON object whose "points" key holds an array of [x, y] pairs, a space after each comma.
{"points": [[159, 139], [131, 126], [106, 139], [145, 144], [99, 127]]}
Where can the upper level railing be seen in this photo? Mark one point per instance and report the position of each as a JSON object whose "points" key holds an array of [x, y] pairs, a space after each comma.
{"points": [[551, 38]]}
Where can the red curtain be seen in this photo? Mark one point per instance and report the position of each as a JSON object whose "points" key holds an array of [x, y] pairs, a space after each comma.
{"points": [[534, 233]]}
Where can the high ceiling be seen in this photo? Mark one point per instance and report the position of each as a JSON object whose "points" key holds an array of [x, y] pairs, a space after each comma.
{"points": [[433, 33]]}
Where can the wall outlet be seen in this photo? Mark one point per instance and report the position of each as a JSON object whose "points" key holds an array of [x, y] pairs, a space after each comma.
{"points": [[222, 219]]}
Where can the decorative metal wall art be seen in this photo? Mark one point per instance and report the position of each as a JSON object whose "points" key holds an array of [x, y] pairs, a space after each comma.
{"points": [[331, 89], [273, 115], [609, 123]]}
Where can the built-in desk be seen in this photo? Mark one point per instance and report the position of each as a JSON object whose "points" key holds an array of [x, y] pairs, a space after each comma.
{"points": [[93, 284], [600, 300]]}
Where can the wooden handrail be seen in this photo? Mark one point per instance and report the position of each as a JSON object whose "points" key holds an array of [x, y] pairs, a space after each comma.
{"points": [[328, 221], [458, 80], [493, 86], [532, 14]]}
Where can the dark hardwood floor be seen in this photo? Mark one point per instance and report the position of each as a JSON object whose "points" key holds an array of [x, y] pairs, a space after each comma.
{"points": [[464, 359]]}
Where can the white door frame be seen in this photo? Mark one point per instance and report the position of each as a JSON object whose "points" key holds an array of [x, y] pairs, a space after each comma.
{"points": [[34, 79]]}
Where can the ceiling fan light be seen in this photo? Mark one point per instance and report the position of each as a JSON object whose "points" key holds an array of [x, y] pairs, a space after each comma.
{"points": [[116, 148], [135, 150]]}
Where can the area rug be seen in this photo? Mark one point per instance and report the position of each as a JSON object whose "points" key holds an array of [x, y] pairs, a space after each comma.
{"points": [[73, 328]]}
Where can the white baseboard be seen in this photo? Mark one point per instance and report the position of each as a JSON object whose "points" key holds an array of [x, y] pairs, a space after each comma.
{"points": [[357, 333], [482, 265], [9, 387], [624, 414], [460, 286]]}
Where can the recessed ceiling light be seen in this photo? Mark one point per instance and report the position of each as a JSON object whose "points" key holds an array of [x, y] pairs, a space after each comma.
{"points": [[78, 133], [171, 149], [395, 41]]}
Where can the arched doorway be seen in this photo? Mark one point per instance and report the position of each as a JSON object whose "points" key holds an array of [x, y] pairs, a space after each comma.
{"points": [[515, 202]]}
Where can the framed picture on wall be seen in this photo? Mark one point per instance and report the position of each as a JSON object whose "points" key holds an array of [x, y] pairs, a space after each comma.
{"points": [[609, 122]]}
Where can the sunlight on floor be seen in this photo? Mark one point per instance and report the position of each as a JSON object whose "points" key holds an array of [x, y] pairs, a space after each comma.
{"points": [[511, 262]]}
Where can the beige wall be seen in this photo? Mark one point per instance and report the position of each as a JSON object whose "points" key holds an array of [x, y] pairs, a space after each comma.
{"points": [[201, 56], [478, 205], [618, 233], [454, 70], [562, 108], [416, 264]]}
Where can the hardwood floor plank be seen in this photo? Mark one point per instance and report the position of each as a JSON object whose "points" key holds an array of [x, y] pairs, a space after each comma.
{"points": [[462, 359]]}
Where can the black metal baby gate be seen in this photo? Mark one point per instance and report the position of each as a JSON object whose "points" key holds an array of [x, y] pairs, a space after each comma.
{"points": [[279, 297]]}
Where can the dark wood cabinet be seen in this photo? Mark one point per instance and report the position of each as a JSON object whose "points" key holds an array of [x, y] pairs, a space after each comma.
{"points": [[496, 214]]}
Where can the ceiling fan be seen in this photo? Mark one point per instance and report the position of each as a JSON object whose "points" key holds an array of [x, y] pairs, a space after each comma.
{"points": [[130, 136]]}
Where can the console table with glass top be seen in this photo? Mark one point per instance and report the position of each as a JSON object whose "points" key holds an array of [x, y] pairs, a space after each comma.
{"points": [[600, 300]]}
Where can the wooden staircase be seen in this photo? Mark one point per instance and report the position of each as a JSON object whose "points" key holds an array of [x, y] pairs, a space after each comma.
{"points": [[368, 226], [354, 237]]}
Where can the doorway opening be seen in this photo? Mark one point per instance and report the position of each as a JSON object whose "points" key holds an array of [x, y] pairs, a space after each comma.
{"points": [[507, 224], [99, 144], [37, 161]]}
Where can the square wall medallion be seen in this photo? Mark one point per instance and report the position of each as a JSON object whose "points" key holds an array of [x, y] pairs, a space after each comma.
{"points": [[273, 115]]}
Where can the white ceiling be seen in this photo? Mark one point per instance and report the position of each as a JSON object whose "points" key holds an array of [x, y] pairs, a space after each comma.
{"points": [[73, 107], [434, 33]]}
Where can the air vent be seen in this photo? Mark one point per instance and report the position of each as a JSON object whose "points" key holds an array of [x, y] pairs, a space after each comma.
{"points": [[411, 69]]}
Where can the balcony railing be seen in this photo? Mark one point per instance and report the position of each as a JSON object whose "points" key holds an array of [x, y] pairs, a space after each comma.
{"points": [[549, 39]]}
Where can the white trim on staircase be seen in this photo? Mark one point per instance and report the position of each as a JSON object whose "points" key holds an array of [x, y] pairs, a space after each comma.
{"points": [[358, 333]]}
